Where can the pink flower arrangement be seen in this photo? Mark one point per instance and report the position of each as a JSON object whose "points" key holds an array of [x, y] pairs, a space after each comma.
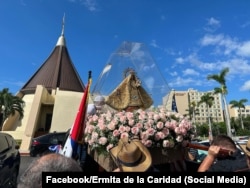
{"points": [[155, 128]]}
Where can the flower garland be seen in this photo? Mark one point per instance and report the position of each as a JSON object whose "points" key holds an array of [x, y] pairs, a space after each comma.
{"points": [[155, 128]]}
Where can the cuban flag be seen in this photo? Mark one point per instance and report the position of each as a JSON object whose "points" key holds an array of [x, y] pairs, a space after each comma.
{"points": [[55, 148], [77, 129], [174, 106]]}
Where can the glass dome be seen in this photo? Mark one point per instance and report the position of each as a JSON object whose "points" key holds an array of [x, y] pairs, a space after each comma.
{"points": [[132, 57]]}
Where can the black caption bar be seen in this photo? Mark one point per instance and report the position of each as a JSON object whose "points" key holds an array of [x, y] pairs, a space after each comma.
{"points": [[114, 178]]}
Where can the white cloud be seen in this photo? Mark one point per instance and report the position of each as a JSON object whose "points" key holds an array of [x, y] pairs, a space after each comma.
{"points": [[186, 82], [238, 67], [212, 21], [190, 72], [212, 25], [173, 73], [244, 49], [245, 24], [204, 66], [224, 45], [171, 51], [153, 43], [180, 60], [211, 39], [246, 86], [148, 67], [90, 4]]}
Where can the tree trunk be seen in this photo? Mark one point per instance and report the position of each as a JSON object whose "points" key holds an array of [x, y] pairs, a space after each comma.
{"points": [[229, 132], [210, 132], [241, 120], [194, 120]]}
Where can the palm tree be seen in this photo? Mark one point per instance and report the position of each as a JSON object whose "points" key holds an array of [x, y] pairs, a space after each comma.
{"points": [[239, 104], [208, 99], [9, 105], [220, 78], [193, 111]]}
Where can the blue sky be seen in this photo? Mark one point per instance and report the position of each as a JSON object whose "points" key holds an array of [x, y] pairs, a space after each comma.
{"points": [[188, 39]]}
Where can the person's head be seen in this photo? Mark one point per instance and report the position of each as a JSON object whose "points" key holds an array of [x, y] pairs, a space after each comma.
{"points": [[131, 155], [224, 142], [32, 177], [246, 149]]}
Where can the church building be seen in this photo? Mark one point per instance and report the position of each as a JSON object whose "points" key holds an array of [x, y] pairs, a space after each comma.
{"points": [[52, 97]]}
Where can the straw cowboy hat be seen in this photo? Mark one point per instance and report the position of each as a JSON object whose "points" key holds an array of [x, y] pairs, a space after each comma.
{"points": [[131, 155], [246, 147]]}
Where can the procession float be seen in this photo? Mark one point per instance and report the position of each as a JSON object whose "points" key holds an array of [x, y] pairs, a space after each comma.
{"points": [[129, 96]]}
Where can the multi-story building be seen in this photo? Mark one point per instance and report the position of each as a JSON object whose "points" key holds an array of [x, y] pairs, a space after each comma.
{"points": [[185, 99], [235, 112]]}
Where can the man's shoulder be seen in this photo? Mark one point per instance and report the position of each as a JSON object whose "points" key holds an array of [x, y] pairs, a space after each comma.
{"points": [[229, 164]]}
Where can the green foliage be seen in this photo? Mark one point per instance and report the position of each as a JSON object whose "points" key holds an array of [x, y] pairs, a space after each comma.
{"points": [[221, 79], [243, 132], [202, 130], [9, 105], [217, 128], [220, 128]]}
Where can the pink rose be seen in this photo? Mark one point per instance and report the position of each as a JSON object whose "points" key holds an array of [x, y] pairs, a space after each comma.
{"points": [[147, 125], [156, 117], [123, 119], [177, 130], [165, 131], [139, 125], [102, 126], [109, 147], [150, 131], [159, 125], [116, 133], [183, 130], [144, 135], [151, 122], [124, 135], [130, 115], [148, 143], [159, 136], [135, 130], [122, 129], [131, 122], [103, 140], [127, 129], [111, 126]]}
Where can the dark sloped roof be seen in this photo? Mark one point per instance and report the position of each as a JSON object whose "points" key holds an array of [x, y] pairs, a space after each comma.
{"points": [[57, 71]]}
